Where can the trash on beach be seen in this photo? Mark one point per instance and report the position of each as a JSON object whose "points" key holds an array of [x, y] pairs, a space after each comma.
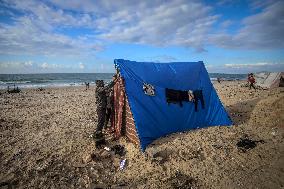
{"points": [[107, 148], [273, 133], [40, 89], [118, 149], [100, 143], [122, 164], [245, 144], [180, 180]]}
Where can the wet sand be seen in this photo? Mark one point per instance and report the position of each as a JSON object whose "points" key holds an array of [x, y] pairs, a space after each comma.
{"points": [[45, 143]]}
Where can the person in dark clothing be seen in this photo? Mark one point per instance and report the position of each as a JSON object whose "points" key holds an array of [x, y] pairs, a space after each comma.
{"points": [[251, 81], [110, 104], [87, 85], [219, 79], [101, 101]]}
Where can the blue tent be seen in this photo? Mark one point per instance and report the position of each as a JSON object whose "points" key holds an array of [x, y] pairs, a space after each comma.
{"points": [[153, 116]]}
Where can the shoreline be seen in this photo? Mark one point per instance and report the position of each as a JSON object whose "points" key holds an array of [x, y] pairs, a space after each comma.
{"points": [[71, 79], [82, 85]]}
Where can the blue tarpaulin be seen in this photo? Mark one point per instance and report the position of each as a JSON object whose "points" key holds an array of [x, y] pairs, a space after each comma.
{"points": [[153, 116]]}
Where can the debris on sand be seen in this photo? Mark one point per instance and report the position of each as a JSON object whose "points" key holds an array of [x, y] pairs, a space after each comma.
{"points": [[161, 156], [40, 89], [119, 150], [100, 143], [182, 181], [122, 164], [245, 144]]}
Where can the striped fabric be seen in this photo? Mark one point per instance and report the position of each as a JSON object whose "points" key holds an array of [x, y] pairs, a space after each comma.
{"points": [[123, 118], [131, 133], [119, 99]]}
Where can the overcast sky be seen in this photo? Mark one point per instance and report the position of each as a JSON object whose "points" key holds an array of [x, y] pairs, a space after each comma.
{"points": [[230, 36]]}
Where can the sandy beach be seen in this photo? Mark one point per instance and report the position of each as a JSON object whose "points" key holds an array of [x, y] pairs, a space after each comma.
{"points": [[45, 143]]}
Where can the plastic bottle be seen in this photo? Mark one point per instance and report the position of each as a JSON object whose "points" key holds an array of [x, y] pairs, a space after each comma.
{"points": [[122, 164]]}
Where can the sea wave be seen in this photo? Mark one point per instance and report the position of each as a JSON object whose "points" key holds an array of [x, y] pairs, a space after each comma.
{"points": [[47, 85], [14, 82], [72, 79]]}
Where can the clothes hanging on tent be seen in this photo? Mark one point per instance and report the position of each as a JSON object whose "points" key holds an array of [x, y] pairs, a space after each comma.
{"points": [[176, 96], [190, 95], [119, 101], [198, 96]]}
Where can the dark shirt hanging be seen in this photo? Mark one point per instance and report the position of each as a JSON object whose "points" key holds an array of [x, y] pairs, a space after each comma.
{"points": [[176, 96]]}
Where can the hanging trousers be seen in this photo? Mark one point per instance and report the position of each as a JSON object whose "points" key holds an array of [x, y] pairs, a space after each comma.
{"points": [[198, 96]]}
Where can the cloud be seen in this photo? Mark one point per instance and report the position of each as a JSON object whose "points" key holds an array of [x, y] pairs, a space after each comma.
{"points": [[226, 23], [169, 23], [255, 67], [48, 17], [260, 31], [257, 4], [183, 23], [24, 37], [38, 67], [50, 66], [247, 67], [81, 66], [102, 67], [41, 27], [44, 65], [259, 64], [38, 31], [159, 23], [28, 64], [16, 67], [159, 58]]}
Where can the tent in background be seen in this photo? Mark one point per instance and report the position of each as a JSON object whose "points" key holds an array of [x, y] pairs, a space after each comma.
{"points": [[144, 117], [268, 80]]}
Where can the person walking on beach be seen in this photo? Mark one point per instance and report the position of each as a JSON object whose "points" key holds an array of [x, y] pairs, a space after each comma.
{"points": [[101, 101], [219, 79], [87, 85], [251, 81]]}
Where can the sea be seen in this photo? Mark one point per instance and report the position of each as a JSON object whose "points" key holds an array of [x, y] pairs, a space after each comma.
{"points": [[76, 79]]}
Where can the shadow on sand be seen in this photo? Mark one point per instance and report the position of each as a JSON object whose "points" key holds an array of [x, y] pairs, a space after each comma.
{"points": [[241, 112]]}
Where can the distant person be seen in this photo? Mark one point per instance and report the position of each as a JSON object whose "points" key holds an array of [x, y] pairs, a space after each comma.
{"points": [[281, 82], [219, 79], [251, 81], [101, 101], [87, 85]]}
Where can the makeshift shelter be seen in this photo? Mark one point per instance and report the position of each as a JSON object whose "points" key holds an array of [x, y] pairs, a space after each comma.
{"points": [[269, 80], [145, 109]]}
